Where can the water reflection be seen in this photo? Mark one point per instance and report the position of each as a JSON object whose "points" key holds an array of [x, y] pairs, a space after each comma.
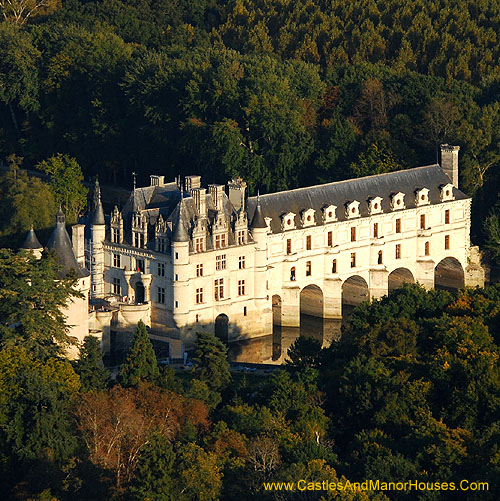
{"points": [[273, 349]]}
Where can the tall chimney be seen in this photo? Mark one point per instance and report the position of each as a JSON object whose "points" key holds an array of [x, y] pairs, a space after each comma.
{"points": [[237, 189], [449, 162]]}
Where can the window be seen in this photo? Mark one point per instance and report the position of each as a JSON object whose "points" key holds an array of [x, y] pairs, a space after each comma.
{"points": [[353, 260], [334, 266], [292, 274], [375, 230], [116, 260], [288, 246], [353, 234], [244, 311], [398, 225], [162, 244], [427, 248], [199, 296], [176, 277], [308, 242], [219, 289], [161, 295], [161, 269], [138, 240], [176, 255], [139, 265], [241, 237], [198, 244], [241, 287], [379, 260], [116, 286], [308, 268], [199, 270], [177, 304], [447, 242], [241, 263], [197, 318], [330, 239], [422, 221], [220, 262], [116, 235], [398, 251], [220, 241], [447, 216]]}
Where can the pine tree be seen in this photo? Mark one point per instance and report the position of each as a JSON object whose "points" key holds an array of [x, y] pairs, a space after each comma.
{"points": [[140, 364], [92, 374]]}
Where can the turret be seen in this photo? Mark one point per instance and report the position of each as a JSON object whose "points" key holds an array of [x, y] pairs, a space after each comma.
{"points": [[97, 236], [259, 234], [31, 244]]}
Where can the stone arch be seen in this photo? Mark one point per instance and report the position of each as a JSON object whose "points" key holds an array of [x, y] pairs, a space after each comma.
{"points": [[140, 292], [276, 302], [311, 301], [222, 327], [354, 291], [398, 277], [449, 274]]}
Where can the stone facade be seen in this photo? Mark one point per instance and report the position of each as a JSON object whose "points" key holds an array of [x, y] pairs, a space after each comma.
{"points": [[183, 258]]}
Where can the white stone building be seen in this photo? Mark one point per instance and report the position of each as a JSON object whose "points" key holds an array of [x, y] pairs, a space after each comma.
{"points": [[183, 258]]}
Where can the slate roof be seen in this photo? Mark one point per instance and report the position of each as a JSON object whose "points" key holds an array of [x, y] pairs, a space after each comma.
{"points": [[31, 241], [61, 243], [274, 205]]}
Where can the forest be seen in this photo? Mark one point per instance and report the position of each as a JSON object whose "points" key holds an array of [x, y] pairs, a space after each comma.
{"points": [[411, 392], [284, 94]]}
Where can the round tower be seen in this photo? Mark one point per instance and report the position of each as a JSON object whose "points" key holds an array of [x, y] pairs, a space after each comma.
{"points": [[97, 236], [31, 244], [258, 228]]}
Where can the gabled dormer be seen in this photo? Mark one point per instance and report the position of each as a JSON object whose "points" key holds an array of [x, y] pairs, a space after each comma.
{"points": [[329, 213], [116, 226], [446, 192], [139, 229], [161, 232], [397, 201], [288, 221], [422, 197], [307, 218], [268, 223], [352, 209], [375, 205]]}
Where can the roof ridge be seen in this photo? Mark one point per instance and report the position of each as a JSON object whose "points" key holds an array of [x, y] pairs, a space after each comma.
{"points": [[350, 180]]}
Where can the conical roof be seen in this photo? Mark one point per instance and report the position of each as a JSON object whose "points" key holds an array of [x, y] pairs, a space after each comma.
{"points": [[61, 243], [31, 241], [98, 214], [180, 233], [258, 220]]}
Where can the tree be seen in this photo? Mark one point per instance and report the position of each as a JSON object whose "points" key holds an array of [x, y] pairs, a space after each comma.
{"points": [[211, 361], [140, 364], [304, 352], [66, 184], [20, 11], [31, 299], [89, 366], [24, 201], [153, 479]]}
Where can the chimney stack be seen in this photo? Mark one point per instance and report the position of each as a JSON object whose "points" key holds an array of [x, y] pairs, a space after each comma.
{"points": [[449, 162]]}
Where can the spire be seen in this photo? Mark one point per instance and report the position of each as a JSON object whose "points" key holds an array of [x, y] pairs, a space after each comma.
{"points": [[98, 215], [258, 220], [60, 217], [31, 242], [180, 233]]}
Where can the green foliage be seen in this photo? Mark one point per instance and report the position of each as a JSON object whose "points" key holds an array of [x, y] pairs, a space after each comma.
{"points": [[140, 364], [31, 299], [24, 201], [211, 362], [303, 353], [153, 478], [66, 184], [89, 367]]}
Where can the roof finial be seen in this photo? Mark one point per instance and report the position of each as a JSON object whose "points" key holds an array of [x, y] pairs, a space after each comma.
{"points": [[134, 175]]}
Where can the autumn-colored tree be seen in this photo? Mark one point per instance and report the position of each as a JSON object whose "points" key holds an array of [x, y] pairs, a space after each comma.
{"points": [[21, 11], [115, 425]]}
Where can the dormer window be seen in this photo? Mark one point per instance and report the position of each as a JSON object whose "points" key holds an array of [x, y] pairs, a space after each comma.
{"points": [[352, 209], [375, 205], [307, 218], [446, 192], [329, 213], [397, 201], [288, 221], [268, 223], [422, 197]]}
